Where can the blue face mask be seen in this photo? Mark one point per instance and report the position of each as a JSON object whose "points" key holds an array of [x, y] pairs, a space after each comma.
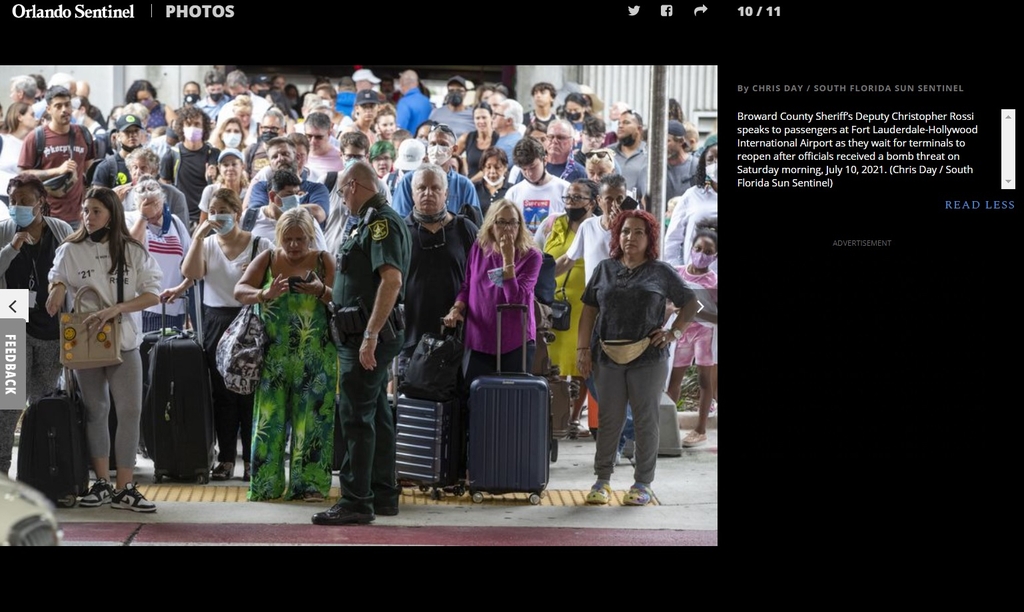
{"points": [[227, 223], [23, 215], [289, 202]]}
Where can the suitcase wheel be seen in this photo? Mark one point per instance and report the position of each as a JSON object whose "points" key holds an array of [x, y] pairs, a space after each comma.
{"points": [[424, 488], [202, 478], [436, 494], [478, 497], [158, 478], [534, 499], [68, 501]]}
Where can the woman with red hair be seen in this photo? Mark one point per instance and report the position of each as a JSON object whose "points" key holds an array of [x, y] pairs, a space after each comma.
{"points": [[622, 340]]}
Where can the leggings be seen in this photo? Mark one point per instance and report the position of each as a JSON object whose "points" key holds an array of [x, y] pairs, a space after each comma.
{"points": [[124, 382]]}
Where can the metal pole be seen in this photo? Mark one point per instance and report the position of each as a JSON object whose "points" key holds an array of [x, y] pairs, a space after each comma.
{"points": [[657, 156]]}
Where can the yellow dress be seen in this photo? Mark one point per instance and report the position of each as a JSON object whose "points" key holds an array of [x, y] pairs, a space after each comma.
{"points": [[563, 350]]}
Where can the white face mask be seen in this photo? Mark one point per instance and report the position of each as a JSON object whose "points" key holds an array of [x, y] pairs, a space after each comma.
{"points": [[289, 202], [232, 140], [227, 222], [438, 154], [497, 183], [711, 170]]}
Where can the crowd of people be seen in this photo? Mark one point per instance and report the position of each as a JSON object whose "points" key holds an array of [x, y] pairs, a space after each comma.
{"points": [[362, 195]]}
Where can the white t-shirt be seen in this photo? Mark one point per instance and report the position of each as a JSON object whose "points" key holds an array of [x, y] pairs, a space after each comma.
{"points": [[537, 202], [169, 251], [9, 165], [223, 274], [697, 203], [87, 264], [592, 243], [266, 228]]}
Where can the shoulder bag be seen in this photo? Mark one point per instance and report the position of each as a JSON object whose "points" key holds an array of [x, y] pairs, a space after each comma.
{"points": [[82, 350], [242, 348]]}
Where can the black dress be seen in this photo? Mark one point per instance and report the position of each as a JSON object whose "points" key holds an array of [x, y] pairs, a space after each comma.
{"points": [[473, 153]]}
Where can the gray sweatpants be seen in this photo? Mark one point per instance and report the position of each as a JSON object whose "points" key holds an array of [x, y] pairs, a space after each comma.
{"points": [[43, 366], [641, 387], [123, 382]]}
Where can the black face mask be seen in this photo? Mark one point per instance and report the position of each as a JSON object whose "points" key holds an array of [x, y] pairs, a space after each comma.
{"points": [[266, 137], [217, 96], [455, 99], [574, 117], [128, 149], [99, 234], [628, 141], [576, 214]]}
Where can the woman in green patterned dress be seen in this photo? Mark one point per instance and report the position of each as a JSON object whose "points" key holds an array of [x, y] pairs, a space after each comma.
{"points": [[300, 371]]}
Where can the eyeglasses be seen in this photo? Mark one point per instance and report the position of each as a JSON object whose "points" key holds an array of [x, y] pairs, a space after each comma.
{"points": [[599, 154], [430, 247], [270, 128], [574, 199], [352, 156], [503, 223]]}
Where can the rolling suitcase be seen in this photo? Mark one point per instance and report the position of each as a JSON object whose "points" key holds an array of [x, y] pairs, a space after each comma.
{"points": [[509, 429], [52, 453], [429, 445], [178, 410]]}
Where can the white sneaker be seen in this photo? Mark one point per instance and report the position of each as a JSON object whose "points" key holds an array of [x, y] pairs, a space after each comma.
{"points": [[99, 494], [714, 408], [130, 498]]}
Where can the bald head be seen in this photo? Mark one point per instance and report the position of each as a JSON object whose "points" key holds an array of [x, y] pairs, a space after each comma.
{"points": [[358, 184]]}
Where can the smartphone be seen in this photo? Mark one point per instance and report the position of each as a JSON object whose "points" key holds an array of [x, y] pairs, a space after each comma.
{"points": [[295, 280]]}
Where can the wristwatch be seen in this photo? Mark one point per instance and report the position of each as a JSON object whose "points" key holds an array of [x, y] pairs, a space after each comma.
{"points": [[676, 333], [367, 335]]}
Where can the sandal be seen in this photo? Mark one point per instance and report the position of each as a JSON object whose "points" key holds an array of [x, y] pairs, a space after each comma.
{"points": [[638, 495], [223, 471], [693, 439], [600, 494]]}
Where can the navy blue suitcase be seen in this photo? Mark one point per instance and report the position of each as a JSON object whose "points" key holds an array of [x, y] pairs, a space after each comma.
{"points": [[429, 445], [509, 430]]}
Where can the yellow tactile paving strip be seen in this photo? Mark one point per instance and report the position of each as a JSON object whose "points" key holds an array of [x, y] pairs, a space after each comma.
{"points": [[215, 493]]}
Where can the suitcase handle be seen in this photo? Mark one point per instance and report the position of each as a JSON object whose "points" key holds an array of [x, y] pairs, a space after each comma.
{"points": [[523, 308]]}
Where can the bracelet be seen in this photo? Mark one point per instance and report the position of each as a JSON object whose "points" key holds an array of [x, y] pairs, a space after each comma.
{"points": [[261, 297], [322, 292], [55, 284]]}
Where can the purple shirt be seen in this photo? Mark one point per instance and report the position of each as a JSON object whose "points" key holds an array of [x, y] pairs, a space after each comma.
{"points": [[482, 297]]}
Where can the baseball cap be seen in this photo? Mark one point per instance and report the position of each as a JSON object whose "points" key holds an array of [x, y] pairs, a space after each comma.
{"points": [[262, 79], [366, 96], [125, 121], [457, 79], [675, 128], [410, 154], [226, 153], [364, 74]]}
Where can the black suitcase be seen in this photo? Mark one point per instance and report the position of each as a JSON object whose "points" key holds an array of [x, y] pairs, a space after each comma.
{"points": [[509, 430], [52, 453], [429, 445], [178, 410]]}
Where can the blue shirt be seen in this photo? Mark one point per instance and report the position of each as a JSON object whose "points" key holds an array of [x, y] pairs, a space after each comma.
{"points": [[316, 193], [460, 192], [212, 108], [413, 109]]}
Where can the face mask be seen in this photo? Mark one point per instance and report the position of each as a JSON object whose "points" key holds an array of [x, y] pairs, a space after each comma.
{"points": [[128, 149], [193, 134], [227, 223], [349, 162], [149, 103], [23, 215], [575, 214], [702, 260], [216, 96], [266, 137], [711, 171], [232, 140], [455, 99], [628, 141], [497, 183], [438, 154], [574, 117], [289, 202], [99, 234]]}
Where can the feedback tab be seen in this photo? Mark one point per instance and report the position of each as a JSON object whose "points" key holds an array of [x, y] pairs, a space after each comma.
{"points": [[12, 334], [14, 304]]}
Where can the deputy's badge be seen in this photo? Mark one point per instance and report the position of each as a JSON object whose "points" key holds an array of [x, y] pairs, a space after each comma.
{"points": [[379, 230]]}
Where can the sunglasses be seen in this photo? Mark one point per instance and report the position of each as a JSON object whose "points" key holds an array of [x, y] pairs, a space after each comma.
{"points": [[599, 155]]}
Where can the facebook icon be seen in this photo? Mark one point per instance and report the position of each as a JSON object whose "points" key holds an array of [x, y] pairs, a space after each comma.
{"points": [[666, 10]]}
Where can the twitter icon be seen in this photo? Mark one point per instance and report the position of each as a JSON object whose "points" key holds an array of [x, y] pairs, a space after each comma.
{"points": [[633, 10]]}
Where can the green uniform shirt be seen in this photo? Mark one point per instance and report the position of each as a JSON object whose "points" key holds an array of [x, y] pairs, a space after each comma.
{"points": [[380, 238]]}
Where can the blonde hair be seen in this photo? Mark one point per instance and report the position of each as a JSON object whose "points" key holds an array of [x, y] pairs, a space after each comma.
{"points": [[296, 217], [485, 237]]}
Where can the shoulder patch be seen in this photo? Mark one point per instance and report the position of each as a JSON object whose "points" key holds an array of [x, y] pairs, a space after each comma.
{"points": [[379, 230]]}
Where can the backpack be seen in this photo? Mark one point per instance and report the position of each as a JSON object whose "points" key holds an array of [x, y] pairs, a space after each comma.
{"points": [[176, 151], [40, 138], [330, 180]]}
